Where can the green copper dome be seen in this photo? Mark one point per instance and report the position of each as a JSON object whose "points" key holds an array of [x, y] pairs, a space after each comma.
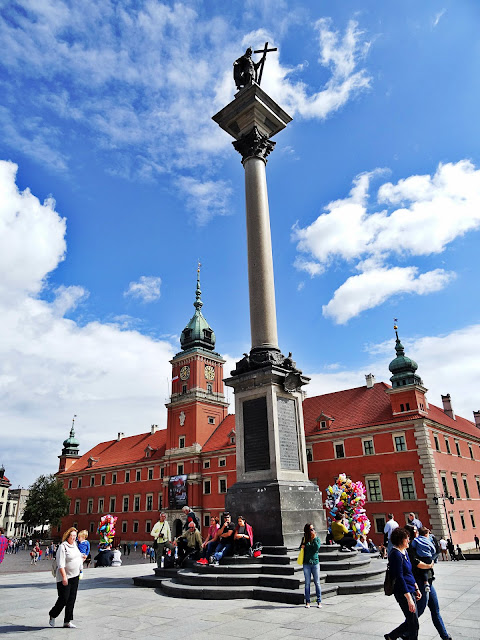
{"points": [[71, 445], [198, 332], [403, 368]]}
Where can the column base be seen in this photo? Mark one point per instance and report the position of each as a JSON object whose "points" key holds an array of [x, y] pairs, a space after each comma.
{"points": [[277, 510]]}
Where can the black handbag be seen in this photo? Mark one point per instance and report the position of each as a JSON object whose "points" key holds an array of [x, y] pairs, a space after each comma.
{"points": [[389, 584]]}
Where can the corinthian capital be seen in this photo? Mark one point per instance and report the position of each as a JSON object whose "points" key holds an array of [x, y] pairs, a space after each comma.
{"points": [[254, 144]]}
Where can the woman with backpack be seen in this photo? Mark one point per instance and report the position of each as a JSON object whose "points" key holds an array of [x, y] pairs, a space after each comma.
{"points": [[311, 565]]}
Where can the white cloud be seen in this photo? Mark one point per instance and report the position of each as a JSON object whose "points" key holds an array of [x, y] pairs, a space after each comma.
{"points": [[147, 289], [439, 16], [136, 79], [423, 215], [446, 363], [206, 198], [340, 54], [32, 236], [373, 287], [50, 366]]}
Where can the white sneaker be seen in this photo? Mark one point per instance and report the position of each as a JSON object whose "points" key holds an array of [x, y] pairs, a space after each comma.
{"points": [[51, 622], [319, 604], [70, 625], [307, 605]]}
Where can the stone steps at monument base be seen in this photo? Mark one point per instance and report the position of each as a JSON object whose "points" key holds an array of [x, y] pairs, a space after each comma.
{"points": [[357, 563], [363, 586], [368, 573], [239, 580], [177, 590], [278, 569], [332, 556], [152, 582]]}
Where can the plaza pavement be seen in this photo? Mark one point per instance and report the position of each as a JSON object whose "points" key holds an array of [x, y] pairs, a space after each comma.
{"points": [[109, 606]]}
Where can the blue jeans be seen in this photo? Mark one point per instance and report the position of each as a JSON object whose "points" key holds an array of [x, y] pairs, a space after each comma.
{"points": [[432, 602], [309, 571], [410, 626], [221, 549]]}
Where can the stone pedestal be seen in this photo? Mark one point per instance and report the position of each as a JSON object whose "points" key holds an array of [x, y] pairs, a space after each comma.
{"points": [[272, 491]]}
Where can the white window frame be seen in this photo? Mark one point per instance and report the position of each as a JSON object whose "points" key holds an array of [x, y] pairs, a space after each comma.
{"points": [[399, 434], [90, 505], [149, 495], [101, 506], [219, 485], [406, 474], [436, 440], [369, 439], [148, 526], [374, 518], [181, 442], [92, 481], [124, 526], [138, 475], [137, 497], [309, 449], [205, 492], [335, 444], [180, 469], [206, 464], [114, 498], [136, 526], [222, 462], [373, 476], [207, 521]]}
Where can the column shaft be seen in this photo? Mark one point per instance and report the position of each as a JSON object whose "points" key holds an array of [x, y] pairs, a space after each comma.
{"points": [[263, 319]]}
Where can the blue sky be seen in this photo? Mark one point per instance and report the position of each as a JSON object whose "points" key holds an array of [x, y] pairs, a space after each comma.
{"points": [[114, 181]]}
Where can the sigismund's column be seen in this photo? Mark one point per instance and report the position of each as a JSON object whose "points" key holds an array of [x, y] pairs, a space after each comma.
{"points": [[273, 490]]}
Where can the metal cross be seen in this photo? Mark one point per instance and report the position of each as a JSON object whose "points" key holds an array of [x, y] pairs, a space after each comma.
{"points": [[265, 50]]}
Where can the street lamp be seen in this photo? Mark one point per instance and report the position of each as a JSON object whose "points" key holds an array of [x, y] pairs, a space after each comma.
{"points": [[442, 497]]}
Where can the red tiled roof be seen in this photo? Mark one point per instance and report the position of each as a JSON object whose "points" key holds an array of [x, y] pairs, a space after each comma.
{"points": [[361, 406], [351, 408], [128, 450], [5, 481], [219, 438], [461, 424]]}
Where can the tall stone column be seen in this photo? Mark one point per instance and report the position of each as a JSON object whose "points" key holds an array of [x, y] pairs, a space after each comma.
{"points": [[272, 490]]}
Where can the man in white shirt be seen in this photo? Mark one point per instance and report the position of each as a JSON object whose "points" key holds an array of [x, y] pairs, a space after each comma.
{"points": [[443, 548], [162, 535], [389, 527]]}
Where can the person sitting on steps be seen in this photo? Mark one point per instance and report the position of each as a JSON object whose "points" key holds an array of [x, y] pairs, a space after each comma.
{"points": [[341, 534]]}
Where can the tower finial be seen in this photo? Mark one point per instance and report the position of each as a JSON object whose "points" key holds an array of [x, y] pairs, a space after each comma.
{"points": [[198, 304], [72, 430], [395, 320]]}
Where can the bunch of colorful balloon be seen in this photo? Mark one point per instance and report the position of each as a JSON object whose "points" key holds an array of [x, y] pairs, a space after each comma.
{"points": [[106, 529], [348, 498]]}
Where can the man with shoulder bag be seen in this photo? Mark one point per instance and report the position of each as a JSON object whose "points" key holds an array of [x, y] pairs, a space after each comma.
{"points": [[161, 537]]}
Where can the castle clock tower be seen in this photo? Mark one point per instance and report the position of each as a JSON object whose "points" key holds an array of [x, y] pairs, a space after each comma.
{"points": [[197, 404]]}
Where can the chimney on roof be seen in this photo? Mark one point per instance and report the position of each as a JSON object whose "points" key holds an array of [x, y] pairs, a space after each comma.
{"points": [[120, 436], [370, 378], [476, 417], [447, 406], [153, 428]]}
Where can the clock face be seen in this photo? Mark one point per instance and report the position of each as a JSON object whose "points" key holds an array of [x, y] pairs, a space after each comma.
{"points": [[185, 372], [209, 372]]}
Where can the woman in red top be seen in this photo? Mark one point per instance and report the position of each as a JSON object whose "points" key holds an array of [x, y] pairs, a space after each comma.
{"points": [[144, 550]]}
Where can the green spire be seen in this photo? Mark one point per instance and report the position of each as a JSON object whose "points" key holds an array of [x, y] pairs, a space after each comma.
{"points": [[198, 332], [71, 445], [402, 367]]}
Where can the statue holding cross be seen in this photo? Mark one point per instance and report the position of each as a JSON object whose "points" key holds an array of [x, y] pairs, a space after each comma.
{"points": [[246, 71]]}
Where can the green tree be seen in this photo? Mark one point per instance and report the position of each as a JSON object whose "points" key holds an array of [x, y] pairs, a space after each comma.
{"points": [[47, 503]]}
